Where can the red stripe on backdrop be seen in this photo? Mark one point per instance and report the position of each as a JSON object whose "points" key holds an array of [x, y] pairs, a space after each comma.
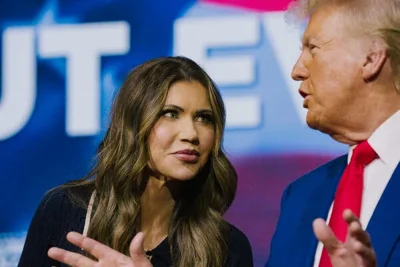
{"points": [[257, 5]]}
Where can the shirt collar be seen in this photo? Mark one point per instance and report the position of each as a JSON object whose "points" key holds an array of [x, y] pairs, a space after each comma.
{"points": [[385, 140]]}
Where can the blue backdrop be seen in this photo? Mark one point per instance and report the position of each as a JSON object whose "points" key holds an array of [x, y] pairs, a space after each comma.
{"points": [[63, 60]]}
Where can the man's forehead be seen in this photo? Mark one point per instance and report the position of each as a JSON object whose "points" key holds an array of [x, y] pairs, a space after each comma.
{"points": [[310, 35], [315, 28]]}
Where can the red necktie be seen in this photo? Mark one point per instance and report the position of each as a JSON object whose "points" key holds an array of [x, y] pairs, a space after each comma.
{"points": [[349, 193]]}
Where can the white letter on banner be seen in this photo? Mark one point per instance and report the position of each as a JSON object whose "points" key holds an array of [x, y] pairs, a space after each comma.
{"points": [[18, 94], [83, 45], [285, 40], [193, 37]]}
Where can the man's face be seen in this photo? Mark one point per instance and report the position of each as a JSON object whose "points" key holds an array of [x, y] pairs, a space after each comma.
{"points": [[329, 69]]}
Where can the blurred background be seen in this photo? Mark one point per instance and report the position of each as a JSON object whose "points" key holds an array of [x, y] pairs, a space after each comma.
{"points": [[63, 60]]}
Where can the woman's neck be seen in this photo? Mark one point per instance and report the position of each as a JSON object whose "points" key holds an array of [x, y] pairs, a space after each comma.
{"points": [[157, 205]]}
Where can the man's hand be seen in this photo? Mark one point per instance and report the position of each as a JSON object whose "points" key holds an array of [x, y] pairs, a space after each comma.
{"points": [[356, 251]]}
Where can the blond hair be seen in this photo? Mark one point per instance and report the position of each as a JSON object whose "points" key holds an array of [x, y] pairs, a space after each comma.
{"points": [[372, 18]]}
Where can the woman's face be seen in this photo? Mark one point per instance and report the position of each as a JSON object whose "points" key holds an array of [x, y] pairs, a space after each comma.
{"points": [[183, 137]]}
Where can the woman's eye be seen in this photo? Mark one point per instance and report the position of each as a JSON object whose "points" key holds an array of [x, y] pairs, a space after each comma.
{"points": [[170, 114], [206, 118]]}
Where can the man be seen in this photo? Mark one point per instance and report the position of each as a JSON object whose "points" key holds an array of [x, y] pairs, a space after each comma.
{"points": [[349, 70]]}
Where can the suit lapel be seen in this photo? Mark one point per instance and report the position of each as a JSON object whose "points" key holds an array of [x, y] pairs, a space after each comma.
{"points": [[384, 226], [318, 206]]}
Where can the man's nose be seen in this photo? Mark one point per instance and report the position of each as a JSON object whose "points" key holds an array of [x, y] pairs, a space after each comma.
{"points": [[299, 71]]}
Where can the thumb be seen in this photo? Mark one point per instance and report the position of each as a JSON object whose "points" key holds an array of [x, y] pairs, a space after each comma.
{"points": [[325, 234], [136, 249]]}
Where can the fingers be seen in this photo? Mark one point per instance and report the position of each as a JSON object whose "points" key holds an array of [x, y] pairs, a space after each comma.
{"points": [[93, 247], [70, 258], [355, 229], [359, 240], [136, 248], [349, 216], [324, 234], [367, 254], [137, 253]]}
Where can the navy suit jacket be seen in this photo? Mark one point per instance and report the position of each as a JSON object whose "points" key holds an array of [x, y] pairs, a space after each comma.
{"points": [[310, 197]]}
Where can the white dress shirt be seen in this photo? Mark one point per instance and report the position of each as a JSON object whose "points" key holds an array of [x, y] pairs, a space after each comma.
{"points": [[386, 143]]}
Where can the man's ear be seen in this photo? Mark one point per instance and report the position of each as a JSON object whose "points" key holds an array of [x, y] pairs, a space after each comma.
{"points": [[374, 60]]}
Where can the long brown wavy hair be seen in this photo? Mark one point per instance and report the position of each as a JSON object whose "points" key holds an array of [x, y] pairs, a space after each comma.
{"points": [[197, 232]]}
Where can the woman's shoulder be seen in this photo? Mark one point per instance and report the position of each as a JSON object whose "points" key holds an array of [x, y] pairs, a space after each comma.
{"points": [[240, 250], [63, 200], [66, 191], [237, 237], [56, 215]]}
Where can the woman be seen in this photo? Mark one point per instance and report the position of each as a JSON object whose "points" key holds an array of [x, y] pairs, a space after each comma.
{"points": [[161, 183]]}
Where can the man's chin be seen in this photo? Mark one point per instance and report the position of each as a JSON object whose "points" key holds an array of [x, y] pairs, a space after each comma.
{"points": [[316, 125], [312, 122]]}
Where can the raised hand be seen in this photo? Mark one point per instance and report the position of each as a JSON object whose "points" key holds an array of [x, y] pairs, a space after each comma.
{"points": [[356, 251], [105, 255]]}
